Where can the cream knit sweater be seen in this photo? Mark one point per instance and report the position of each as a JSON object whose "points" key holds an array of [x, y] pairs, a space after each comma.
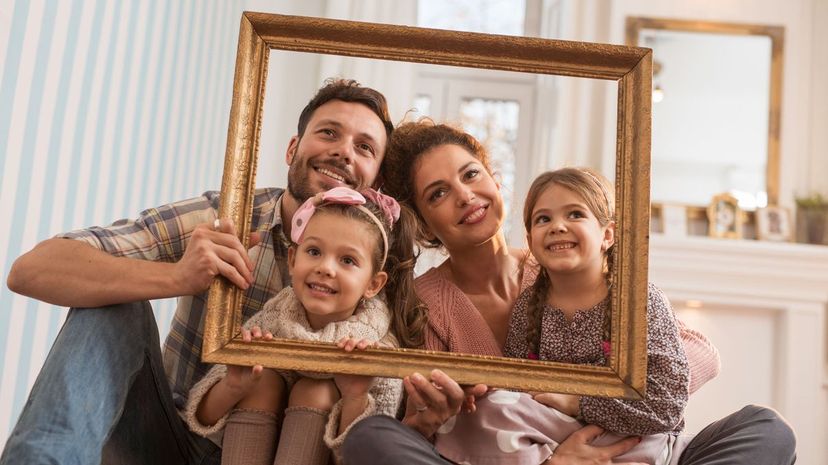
{"points": [[284, 316]]}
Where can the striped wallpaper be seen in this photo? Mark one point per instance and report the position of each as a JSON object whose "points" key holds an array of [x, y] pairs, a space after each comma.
{"points": [[106, 108]]}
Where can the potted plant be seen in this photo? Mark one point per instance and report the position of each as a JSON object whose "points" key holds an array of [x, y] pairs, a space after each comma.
{"points": [[812, 219]]}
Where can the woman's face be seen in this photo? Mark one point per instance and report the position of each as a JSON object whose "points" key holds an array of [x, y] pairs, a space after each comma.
{"points": [[457, 197]]}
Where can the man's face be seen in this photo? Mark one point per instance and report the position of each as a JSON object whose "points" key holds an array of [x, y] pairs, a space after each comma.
{"points": [[343, 145]]}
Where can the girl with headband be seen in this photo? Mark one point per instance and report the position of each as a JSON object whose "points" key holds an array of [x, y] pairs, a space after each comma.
{"points": [[339, 264]]}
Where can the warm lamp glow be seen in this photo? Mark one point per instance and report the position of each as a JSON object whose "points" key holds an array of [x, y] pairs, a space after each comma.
{"points": [[658, 94]]}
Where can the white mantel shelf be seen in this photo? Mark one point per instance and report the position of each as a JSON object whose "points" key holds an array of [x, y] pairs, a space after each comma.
{"points": [[791, 280], [758, 269]]}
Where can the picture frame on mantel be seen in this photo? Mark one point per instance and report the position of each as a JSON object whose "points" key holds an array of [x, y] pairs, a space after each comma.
{"points": [[630, 67], [773, 223], [674, 220], [725, 217]]}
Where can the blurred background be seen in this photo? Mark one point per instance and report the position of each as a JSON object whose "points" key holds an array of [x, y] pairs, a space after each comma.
{"points": [[107, 108]]}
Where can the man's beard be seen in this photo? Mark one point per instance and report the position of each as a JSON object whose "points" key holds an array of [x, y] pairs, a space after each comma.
{"points": [[299, 185]]}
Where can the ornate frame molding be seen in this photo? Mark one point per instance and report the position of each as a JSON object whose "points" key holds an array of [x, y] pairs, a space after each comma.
{"points": [[630, 67]]}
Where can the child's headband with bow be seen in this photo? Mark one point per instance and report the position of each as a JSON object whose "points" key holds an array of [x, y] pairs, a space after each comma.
{"points": [[347, 196]]}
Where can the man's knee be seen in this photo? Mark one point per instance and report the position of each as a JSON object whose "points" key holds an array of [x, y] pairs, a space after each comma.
{"points": [[371, 428], [122, 328], [769, 424], [134, 318], [365, 435]]}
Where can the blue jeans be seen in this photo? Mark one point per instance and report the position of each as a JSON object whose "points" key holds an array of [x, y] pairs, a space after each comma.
{"points": [[102, 398]]}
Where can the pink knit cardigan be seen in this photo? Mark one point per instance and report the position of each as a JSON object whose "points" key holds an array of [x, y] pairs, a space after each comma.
{"points": [[455, 325]]}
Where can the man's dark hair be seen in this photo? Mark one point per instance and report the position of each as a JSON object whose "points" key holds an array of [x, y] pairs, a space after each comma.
{"points": [[347, 90]]}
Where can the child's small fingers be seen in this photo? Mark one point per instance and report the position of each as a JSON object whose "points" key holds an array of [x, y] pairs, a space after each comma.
{"points": [[246, 335], [257, 332], [268, 336]]}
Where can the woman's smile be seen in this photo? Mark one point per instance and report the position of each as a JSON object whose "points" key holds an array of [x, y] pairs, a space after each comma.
{"points": [[474, 214]]}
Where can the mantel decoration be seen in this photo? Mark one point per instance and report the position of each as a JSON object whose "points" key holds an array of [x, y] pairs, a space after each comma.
{"points": [[773, 223], [812, 219], [725, 217]]}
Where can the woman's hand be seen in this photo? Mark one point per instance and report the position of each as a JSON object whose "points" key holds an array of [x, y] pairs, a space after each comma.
{"points": [[354, 386], [432, 402], [241, 379], [577, 449], [564, 403]]}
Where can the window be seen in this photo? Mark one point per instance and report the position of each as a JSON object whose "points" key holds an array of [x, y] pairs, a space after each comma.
{"points": [[490, 16]]}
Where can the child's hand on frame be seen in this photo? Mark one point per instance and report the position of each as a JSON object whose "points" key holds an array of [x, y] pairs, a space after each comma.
{"points": [[354, 386], [564, 403], [241, 378], [256, 334]]}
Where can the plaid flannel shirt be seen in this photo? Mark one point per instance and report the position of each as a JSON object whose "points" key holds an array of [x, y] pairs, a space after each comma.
{"points": [[162, 234]]}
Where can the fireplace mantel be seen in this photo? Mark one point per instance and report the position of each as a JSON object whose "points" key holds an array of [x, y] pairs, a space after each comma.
{"points": [[789, 281]]}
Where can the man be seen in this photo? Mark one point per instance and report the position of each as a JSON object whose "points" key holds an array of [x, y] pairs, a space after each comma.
{"points": [[103, 382]]}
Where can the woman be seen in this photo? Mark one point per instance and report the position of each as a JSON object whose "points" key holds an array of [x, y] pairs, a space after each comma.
{"points": [[443, 174]]}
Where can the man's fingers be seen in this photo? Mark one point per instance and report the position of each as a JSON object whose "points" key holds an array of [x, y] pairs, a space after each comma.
{"points": [[231, 273], [254, 239], [227, 227], [622, 446], [230, 241], [588, 433], [231, 256]]}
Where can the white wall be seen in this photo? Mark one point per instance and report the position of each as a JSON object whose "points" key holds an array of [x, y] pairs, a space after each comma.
{"points": [[106, 108]]}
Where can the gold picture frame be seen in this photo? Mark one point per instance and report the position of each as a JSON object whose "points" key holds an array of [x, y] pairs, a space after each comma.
{"points": [[625, 375], [725, 217], [773, 223]]}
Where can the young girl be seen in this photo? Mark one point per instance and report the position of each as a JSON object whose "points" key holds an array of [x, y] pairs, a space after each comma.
{"points": [[564, 317], [337, 268]]}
